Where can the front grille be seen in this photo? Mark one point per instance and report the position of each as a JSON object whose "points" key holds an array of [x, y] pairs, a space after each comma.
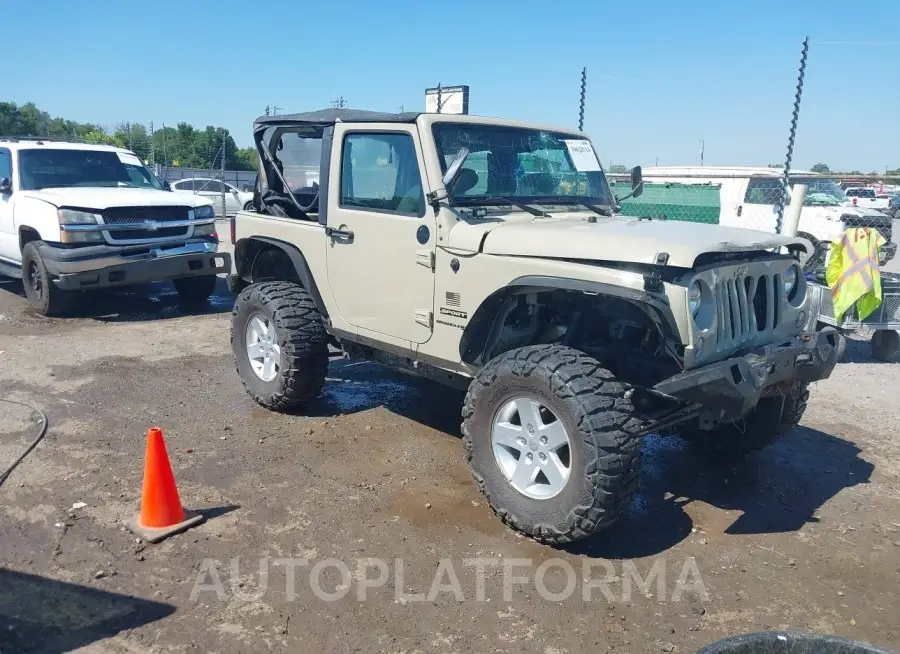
{"points": [[120, 215], [746, 305]]}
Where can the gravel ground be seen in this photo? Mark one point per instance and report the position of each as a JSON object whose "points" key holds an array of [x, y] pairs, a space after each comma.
{"points": [[805, 535]]}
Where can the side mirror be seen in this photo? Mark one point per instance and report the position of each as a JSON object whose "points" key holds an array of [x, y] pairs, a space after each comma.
{"points": [[5, 186], [454, 167], [637, 181], [167, 186]]}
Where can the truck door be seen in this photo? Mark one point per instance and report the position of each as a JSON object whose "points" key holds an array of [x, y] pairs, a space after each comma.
{"points": [[380, 232], [9, 240]]}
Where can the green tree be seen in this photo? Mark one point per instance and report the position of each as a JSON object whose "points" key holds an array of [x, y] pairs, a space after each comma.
{"points": [[821, 168]]}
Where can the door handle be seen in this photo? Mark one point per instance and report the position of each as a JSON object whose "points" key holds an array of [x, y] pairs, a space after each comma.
{"points": [[331, 232], [740, 210]]}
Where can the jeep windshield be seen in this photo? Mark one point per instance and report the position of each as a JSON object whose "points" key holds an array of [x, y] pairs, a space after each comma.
{"points": [[520, 166], [51, 168]]}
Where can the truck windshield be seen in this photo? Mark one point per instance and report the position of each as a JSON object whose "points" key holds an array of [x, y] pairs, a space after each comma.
{"points": [[820, 192], [522, 165], [53, 168]]}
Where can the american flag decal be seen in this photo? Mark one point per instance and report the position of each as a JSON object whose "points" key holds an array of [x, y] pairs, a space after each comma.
{"points": [[452, 299]]}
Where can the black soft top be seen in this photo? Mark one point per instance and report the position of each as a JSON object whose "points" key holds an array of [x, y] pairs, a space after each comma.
{"points": [[325, 117]]}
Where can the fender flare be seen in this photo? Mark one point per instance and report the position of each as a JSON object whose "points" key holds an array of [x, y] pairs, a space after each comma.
{"points": [[244, 263], [476, 332]]}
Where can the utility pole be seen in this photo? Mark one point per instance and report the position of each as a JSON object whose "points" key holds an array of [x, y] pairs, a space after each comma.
{"points": [[267, 110], [275, 110], [702, 149], [340, 103], [401, 108], [440, 101], [152, 149]]}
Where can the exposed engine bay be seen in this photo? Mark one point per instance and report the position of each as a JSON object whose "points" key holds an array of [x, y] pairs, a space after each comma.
{"points": [[614, 331]]}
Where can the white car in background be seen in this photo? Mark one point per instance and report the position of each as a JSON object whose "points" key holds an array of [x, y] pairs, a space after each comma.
{"points": [[867, 198], [210, 188]]}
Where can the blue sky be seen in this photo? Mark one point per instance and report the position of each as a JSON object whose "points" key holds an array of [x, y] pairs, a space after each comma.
{"points": [[662, 75]]}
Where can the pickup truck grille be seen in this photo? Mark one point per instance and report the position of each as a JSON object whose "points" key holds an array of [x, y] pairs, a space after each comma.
{"points": [[120, 215], [746, 305]]}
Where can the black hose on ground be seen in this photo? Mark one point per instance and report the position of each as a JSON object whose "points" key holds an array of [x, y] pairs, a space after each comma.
{"points": [[42, 432]]}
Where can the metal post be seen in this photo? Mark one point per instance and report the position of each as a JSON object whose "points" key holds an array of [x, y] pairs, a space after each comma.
{"points": [[581, 103], [152, 149], [223, 176], [786, 180], [798, 194]]}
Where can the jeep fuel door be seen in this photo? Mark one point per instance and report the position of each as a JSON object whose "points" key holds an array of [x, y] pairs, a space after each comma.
{"points": [[381, 232]]}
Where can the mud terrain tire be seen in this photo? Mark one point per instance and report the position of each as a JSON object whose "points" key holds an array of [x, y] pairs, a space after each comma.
{"points": [[604, 448], [299, 335]]}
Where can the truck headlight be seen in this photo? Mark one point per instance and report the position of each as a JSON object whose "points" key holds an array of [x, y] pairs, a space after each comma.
{"points": [[205, 211], [74, 217], [695, 298]]}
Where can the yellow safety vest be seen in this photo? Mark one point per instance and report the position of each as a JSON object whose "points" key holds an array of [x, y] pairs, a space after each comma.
{"points": [[852, 272]]}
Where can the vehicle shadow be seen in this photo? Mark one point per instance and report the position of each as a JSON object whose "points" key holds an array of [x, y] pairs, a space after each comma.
{"points": [[355, 386], [859, 350], [45, 615], [776, 490], [157, 301]]}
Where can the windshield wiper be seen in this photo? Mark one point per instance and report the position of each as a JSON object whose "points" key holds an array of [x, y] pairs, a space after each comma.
{"points": [[499, 201]]}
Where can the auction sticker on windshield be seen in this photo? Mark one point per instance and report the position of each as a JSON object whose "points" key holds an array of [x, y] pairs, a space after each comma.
{"points": [[128, 158], [582, 154]]}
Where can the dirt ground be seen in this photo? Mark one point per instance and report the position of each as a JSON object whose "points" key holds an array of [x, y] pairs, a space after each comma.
{"points": [[805, 535]]}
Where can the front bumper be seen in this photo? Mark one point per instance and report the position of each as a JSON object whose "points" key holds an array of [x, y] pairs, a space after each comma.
{"points": [[104, 266], [735, 386]]}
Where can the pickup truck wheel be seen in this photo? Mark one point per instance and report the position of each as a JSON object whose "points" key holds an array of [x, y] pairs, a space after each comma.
{"points": [[42, 293], [279, 344], [772, 418], [193, 290], [550, 439], [249, 206]]}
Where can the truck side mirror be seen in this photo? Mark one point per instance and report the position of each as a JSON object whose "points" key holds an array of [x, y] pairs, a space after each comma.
{"points": [[5, 186], [637, 181]]}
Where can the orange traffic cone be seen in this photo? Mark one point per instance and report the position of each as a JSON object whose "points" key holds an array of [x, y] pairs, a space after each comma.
{"points": [[161, 512]]}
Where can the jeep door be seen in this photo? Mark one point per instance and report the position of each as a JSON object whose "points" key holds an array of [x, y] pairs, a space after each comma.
{"points": [[380, 234]]}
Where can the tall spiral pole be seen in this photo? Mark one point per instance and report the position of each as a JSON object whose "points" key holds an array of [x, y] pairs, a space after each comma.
{"points": [[581, 103], [785, 182]]}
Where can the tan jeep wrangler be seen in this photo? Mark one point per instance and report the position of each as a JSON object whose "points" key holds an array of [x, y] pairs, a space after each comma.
{"points": [[487, 254]]}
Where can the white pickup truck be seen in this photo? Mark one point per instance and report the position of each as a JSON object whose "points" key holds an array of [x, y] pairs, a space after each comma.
{"points": [[867, 198], [77, 217]]}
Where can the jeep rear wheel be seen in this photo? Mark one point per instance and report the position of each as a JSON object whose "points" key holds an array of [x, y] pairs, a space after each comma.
{"points": [[551, 441], [42, 293], [279, 344], [773, 418]]}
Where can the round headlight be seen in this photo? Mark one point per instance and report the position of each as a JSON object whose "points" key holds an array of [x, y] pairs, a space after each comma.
{"points": [[790, 280], [695, 295]]}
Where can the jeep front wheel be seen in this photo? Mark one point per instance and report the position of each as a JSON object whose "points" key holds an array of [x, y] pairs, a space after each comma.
{"points": [[552, 441], [279, 344]]}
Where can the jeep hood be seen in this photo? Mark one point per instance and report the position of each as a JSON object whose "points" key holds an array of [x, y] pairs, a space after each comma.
{"points": [[101, 198], [612, 239]]}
